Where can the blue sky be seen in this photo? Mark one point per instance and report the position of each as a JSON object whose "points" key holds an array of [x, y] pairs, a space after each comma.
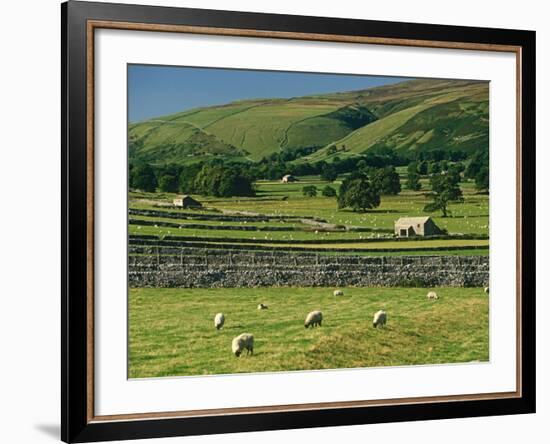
{"points": [[158, 90]]}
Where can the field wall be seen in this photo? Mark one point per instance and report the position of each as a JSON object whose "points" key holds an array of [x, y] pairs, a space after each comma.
{"points": [[195, 268]]}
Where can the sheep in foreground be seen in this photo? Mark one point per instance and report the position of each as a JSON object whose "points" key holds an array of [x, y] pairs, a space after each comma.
{"points": [[313, 319], [262, 307], [486, 290], [380, 318], [219, 320], [244, 341], [432, 295], [338, 293]]}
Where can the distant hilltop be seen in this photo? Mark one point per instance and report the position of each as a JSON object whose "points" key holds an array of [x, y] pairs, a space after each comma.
{"points": [[420, 115]]}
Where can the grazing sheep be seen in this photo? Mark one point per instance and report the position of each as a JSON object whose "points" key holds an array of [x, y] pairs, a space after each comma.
{"points": [[244, 341], [380, 318], [432, 295], [338, 293], [486, 290], [219, 320], [262, 307], [313, 319]]}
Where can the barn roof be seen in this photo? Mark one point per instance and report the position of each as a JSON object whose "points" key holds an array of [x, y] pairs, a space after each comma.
{"points": [[412, 220], [187, 198]]}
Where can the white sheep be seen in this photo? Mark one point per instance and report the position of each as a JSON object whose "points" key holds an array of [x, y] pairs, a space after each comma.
{"points": [[262, 307], [338, 293], [244, 341], [486, 290], [432, 295], [379, 319], [313, 319], [219, 320]]}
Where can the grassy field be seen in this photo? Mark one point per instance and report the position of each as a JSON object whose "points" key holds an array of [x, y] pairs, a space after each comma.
{"points": [[172, 331], [276, 200], [468, 217]]}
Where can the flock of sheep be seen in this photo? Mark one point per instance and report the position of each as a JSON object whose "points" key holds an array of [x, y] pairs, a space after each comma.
{"points": [[245, 341]]}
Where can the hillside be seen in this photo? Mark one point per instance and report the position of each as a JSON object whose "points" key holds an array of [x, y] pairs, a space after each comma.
{"points": [[411, 115]]}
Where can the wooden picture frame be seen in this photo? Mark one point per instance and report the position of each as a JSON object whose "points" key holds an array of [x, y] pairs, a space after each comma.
{"points": [[79, 22]]}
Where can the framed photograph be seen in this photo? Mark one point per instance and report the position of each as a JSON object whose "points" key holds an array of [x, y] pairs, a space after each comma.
{"points": [[276, 221]]}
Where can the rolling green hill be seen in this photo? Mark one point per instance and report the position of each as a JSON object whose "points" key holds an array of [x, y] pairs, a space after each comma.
{"points": [[411, 115]]}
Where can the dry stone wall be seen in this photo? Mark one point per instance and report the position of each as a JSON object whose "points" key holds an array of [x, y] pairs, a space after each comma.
{"points": [[196, 268]]}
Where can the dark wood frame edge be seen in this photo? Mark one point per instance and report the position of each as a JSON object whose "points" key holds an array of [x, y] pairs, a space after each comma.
{"points": [[78, 422]]}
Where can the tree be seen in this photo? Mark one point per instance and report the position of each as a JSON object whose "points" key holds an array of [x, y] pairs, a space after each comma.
{"points": [[222, 181], [233, 183], [423, 168], [412, 167], [187, 177], [328, 191], [478, 162], [386, 181], [143, 178], [413, 181], [309, 191], [362, 165], [382, 157], [482, 179], [358, 194], [329, 173], [434, 168], [168, 183], [445, 189], [456, 168]]}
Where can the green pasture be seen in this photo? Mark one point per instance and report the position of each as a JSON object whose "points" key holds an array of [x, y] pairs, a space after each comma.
{"points": [[319, 240], [398, 245], [192, 221], [171, 331], [277, 199]]}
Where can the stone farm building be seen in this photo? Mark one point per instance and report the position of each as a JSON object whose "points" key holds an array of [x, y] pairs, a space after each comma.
{"points": [[416, 226], [187, 202], [287, 178]]}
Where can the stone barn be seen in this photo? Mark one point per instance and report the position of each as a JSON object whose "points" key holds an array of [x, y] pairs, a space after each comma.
{"points": [[187, 202], [287, 178], [416, 226]]}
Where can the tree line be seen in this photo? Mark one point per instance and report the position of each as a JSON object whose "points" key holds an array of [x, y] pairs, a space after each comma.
{"points": [[209, 179], [362, 189], [368, 176]]}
